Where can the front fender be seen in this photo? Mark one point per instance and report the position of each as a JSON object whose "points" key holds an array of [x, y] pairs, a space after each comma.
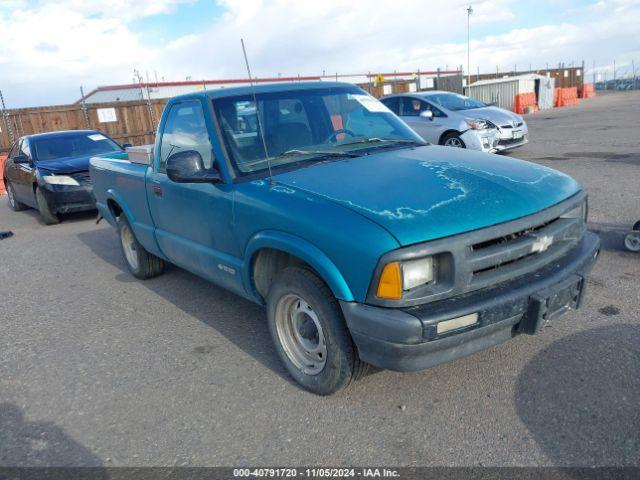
{"points": [[302, 249]]}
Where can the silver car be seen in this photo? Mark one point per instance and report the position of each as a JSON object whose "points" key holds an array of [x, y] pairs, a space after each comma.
{"points": [[446, 118]]}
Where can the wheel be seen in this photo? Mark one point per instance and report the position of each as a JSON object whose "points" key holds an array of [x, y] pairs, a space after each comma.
{"points": [[14, 204], [453, 140], [141, 263], [310, 334], [632, 241], [47, 215]]}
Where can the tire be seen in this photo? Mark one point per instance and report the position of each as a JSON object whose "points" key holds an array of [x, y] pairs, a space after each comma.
{"points": [[141, 263], [14, 204], [301, 313], [632, 241], [47, 215], [453, 140]]}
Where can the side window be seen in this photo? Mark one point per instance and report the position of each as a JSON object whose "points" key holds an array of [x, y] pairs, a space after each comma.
{"points": [[411, 107], [185, 130], [392, 104], [25, 149], [436, 112]]}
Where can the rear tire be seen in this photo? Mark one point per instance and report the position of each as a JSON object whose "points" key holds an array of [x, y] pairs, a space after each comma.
{"points": [[47, 215], [141, 263], [14, 204], [453, 140], [632, 241], [310, 334]]}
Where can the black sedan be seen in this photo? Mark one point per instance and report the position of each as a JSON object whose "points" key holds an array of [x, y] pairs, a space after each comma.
{"points": [[50, 171]]}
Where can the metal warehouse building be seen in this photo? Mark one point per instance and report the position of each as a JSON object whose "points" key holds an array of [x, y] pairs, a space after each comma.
{"points": [[388, 83]]}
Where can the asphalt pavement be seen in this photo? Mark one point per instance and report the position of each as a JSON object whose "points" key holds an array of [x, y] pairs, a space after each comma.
{"points": [[98, 368]]}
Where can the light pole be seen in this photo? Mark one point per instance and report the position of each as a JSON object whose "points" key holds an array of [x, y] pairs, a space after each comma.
{"points": [[469, 12]]}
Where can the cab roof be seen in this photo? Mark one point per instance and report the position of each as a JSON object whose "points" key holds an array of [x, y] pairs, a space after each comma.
{"points": [[262, 88]]}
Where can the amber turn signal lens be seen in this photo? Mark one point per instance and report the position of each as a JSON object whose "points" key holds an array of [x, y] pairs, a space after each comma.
{"points": [[390, 284]]}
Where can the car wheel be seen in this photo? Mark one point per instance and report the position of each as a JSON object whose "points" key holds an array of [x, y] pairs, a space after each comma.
{"points": [[310, 334], [453, 140], [14, 204], [632, 241], [142, 264], [47, 215]]}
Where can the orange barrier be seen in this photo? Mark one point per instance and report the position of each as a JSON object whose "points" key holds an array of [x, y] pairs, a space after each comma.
{"points": [[587, 91], [565, 97], [2, 159], [525, 103]]}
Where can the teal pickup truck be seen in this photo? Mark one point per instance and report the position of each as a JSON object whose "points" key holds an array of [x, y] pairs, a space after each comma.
{"points": [[367, 246]]}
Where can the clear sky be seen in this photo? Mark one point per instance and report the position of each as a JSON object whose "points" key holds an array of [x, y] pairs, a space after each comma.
{"points": [[49, 48]]}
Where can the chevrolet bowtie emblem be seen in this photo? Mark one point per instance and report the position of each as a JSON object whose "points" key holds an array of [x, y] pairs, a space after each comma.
{"points": [[541, 244]]}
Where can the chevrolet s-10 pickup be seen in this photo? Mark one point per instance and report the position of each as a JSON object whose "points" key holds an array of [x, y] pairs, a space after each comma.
{"points": [[366, 245]]}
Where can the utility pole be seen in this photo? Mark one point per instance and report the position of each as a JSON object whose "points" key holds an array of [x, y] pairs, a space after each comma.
{"points": [[594, 74], [469, 12]]}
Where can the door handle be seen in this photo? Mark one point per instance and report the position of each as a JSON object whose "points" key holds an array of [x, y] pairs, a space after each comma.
{"points": [[157, 189]]}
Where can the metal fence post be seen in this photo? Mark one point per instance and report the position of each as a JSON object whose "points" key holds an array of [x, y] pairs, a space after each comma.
{"points": [[83, 106], [5, 118]]}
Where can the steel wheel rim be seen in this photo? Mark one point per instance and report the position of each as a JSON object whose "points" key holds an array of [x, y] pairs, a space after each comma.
{"points": [[632, 241], [129, 246], [453, 142], [300, 334], [12, 200]]}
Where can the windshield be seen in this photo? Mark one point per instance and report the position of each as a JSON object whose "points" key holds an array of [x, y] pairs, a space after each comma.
{"points": [[80, 145], [304, 125], [454, 101]]}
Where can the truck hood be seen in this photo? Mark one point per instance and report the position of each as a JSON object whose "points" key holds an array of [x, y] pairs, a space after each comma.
{"points": [[425, 193]]}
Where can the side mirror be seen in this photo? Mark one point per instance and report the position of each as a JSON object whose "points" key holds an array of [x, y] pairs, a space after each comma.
{"points": [[21, 159], [188, 167], [126, 145], [428, 114]]}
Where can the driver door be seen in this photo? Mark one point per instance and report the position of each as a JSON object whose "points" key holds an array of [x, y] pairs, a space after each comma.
{"points": [[429, 129], [21, 174], [192, 220]]}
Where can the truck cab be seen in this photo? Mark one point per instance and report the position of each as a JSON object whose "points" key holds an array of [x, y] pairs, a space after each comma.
{"points": [[366, 245]]}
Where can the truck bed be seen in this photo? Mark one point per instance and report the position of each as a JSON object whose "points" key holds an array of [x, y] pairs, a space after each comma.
{"points": [[115, 177]]}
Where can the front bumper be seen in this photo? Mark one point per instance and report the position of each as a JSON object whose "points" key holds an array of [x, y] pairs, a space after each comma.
{"points": [[481, 140], [506, 140], [68, 199], [407, 339]]}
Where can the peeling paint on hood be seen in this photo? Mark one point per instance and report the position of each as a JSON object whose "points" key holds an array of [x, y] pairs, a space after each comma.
{"points": [[431, 192]]}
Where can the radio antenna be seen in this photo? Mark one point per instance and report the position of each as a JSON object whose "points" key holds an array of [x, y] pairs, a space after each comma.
{"points": [[255, 101]]}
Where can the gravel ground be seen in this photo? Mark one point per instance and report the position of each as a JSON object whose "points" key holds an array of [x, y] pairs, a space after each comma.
{"points": [[97, 368]]}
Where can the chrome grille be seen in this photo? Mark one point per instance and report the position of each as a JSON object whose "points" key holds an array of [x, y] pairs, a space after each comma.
{"points": [[522, 251]]}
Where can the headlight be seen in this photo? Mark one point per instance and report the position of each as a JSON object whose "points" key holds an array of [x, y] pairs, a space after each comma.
{"points": [[581, 211], [398, 277], [61, 180], [477, 123]]}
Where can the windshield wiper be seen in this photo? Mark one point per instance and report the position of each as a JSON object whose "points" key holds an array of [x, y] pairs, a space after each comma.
{"points": [[392, 140], [324, 153]]}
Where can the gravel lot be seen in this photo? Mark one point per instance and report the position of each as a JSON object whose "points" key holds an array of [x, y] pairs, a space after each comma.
{"points": [[97, 368]]}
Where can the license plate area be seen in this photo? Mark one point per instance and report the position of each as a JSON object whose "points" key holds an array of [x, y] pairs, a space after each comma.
{"points": [[517, 134], [551, 303]]}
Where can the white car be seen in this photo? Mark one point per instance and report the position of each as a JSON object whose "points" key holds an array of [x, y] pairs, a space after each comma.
{"points": [[451, 119]]}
